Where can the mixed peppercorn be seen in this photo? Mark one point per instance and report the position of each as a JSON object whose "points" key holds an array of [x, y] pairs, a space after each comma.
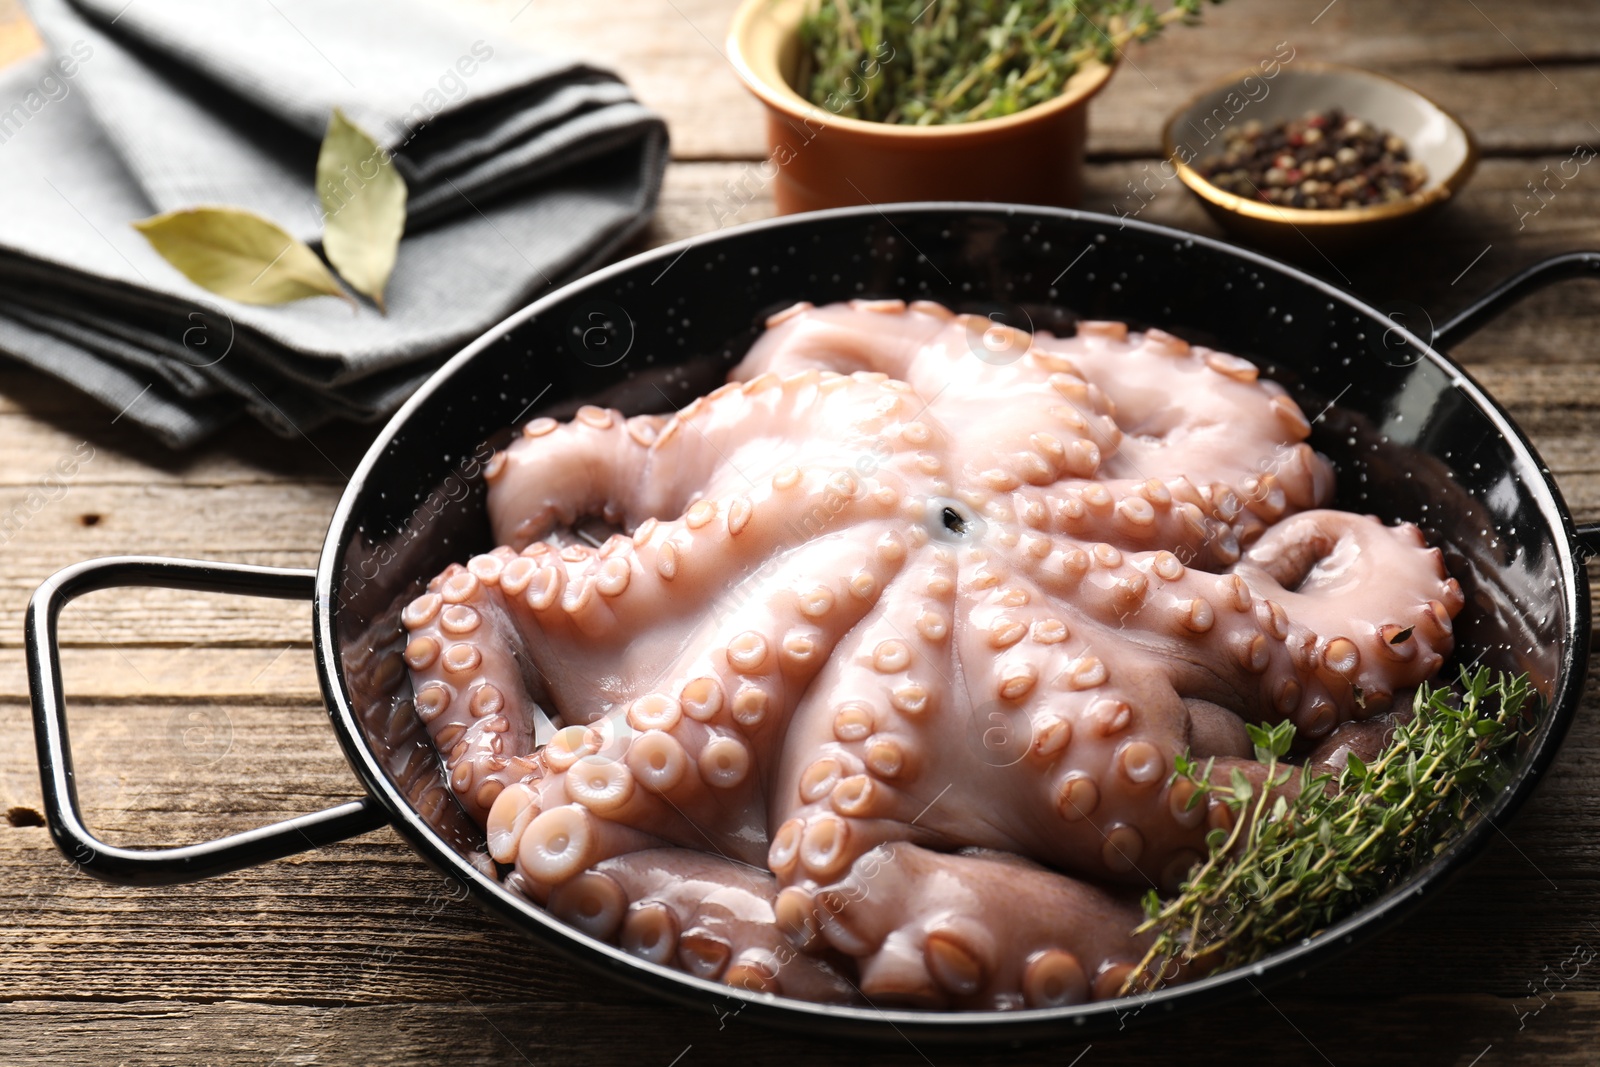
{"points": [[1324, 160]]}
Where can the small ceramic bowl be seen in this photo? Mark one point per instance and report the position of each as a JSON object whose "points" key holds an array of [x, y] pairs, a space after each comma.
{"points": [[821, 160], [1434, 137]]}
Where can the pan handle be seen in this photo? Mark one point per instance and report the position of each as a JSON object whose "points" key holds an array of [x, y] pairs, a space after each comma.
{"points": [[160, 866], [1489, 305], [1588, 537]]}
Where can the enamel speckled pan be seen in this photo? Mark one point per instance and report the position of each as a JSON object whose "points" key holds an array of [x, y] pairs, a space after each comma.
{"points": [[1412, 436]]}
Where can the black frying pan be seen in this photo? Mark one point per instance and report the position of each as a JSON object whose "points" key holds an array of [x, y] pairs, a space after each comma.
{"points": [[1413, 438]]}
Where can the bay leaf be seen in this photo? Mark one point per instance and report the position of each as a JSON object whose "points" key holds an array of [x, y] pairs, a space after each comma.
{"points": [[239, 255], [364, 205]]}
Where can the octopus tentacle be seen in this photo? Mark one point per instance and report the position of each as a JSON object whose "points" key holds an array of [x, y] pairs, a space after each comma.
{"points": [[886, 336], [1133, 515], [1193, 412], [561, 842], [711, 916], [690, 744], [736, 440], [555, 474], [921, 922], [1320, 563], [1271, 652], [1060, 409], [476, 688]]}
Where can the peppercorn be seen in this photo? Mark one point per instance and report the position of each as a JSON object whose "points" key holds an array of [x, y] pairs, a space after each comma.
{"points": [[1326, 160]]}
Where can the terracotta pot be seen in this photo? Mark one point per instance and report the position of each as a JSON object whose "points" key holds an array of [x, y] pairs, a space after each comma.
{"points": [[823, 160]]}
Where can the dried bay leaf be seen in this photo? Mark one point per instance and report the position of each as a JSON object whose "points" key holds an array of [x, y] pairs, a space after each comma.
{"points": [[364, 202], [239, 255]]}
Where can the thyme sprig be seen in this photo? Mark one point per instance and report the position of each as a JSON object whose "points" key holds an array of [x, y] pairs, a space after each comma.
{"points": [[1294, 862], [929, 62]]}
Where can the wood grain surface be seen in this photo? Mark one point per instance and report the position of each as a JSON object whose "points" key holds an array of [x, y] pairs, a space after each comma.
{"points": [[195, 716]]}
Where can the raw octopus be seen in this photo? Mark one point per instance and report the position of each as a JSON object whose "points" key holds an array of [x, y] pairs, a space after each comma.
{"points": [[875, 691]]}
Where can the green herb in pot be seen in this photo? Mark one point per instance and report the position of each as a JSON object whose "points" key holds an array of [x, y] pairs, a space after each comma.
{"points": [[932, 62]]}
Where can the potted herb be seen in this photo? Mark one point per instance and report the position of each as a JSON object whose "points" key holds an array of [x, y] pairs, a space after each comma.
{"points": [[881, 100]]}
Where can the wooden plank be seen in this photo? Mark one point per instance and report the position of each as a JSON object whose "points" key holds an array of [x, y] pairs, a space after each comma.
{"points": [[192, 674], [153, 774], [165, 622], [696, 196], [671, 51], [1406, 1030], [299, 931], [274, 524], [250, 522], [1569, 450], [252, 503], [284, 524], [1508, 89], [1450, 54], [256, 500], [1485, 219], [357, 953], [46, 422], [365, 926]]}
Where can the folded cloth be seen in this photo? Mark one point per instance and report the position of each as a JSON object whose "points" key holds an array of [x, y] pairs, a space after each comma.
{"points": [[522, 170]]}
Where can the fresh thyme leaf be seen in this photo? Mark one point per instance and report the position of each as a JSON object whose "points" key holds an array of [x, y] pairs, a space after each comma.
{"points": [[1288, 869], [928, 63], [364, 201], [240, 255]]}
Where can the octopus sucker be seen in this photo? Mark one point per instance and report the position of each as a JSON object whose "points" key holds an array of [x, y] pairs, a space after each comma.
{"points": [[788, 689]]}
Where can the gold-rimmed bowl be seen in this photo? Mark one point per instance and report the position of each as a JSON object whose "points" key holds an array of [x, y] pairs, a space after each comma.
{"points": [[1434, 137]]}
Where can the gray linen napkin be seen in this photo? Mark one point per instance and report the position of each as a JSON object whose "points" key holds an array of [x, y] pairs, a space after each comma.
{"points": [[523, 170]]}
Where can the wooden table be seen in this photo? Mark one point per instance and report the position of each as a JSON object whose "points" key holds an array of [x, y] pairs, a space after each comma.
{"points": [[353, 954]]}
